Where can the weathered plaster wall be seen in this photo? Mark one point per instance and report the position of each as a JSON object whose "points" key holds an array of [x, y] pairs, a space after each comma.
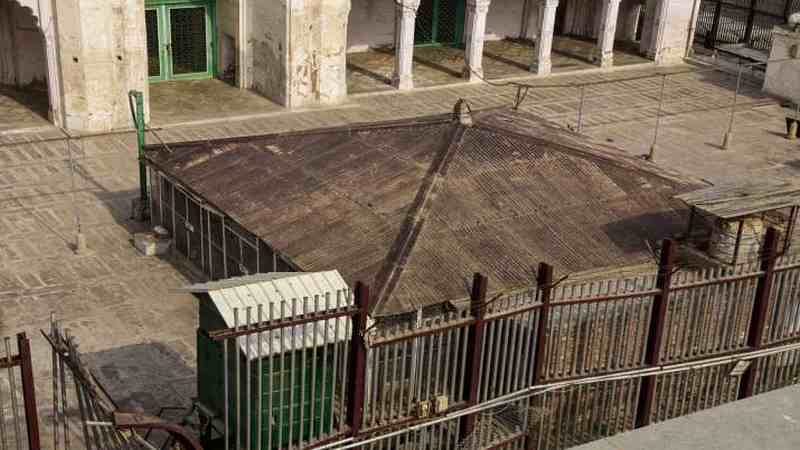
{"points": [[783, 77], [269, 35], [504, 19], [666, 31], [23, 59], [582, 17], [227, 35], [371, 24], [317, 52], [102, 48]]}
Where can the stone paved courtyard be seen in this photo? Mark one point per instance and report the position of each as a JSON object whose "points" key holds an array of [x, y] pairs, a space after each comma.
{"points": [[123, 308], [22, 109], [372, 70]]}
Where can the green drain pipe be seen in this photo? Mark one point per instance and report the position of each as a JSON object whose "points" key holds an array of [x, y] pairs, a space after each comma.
{"points": [[136, 100]]}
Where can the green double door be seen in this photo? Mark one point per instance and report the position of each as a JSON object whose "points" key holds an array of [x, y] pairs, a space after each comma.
{"points": [[439, 22], [180, 39]]}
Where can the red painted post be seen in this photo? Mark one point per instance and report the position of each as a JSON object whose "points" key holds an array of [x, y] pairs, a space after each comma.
{"points": [[544, 282], [28, 391], [758, 317], [474, 357], [655, 334], [358, 360]]}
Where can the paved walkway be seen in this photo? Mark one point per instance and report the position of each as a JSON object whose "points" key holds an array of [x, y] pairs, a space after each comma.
{"points": [[122, 307], [22, 109], [768, 421]]}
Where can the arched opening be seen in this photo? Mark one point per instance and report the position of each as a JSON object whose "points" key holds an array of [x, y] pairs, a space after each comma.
{"points": [[25, 84]]}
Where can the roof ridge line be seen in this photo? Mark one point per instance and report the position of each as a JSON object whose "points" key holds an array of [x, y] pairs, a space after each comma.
{"points": [[387, 278]]}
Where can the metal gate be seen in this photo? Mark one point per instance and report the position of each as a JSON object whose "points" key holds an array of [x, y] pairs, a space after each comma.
{"points": [[747, 23], [439, 22]]}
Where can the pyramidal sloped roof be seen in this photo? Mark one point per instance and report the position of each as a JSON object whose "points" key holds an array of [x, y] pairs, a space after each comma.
{"points": [[415, 207]]}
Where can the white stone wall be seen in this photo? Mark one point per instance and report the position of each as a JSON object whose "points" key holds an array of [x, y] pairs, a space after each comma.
{"points": [[783, 77], [269, 36], [505, 19], [317, 52], [667, 29], [371, 24], [23, 59]]}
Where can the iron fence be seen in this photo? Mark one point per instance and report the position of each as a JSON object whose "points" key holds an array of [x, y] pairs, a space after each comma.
{"points": [[745, 22], [19, 425]]}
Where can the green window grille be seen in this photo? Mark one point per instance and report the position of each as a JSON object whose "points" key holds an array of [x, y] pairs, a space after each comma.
{"points": [[439, 22]]}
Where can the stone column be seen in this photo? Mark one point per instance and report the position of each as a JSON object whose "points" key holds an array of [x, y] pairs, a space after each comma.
{"points": [[608, 31], [632, 21], [475, 32], [404, 43], [544, 42]]}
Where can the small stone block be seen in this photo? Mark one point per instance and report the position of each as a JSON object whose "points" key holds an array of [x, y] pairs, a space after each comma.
{"points": [[149, 245]]}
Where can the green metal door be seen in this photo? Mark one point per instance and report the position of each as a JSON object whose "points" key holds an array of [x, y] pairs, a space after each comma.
{"points": [[180, 39], [439, 22]]}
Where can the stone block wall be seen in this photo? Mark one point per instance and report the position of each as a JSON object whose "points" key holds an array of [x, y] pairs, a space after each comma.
{"points": [[316, 68], [783, 77], [103, 55], [667, 27]]}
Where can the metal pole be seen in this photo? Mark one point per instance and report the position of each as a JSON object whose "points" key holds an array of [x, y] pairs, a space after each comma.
{"points": [[758, 319], [28, 391], [729, 135], [655, 334], [138, 120], [474, 358], [652, 152], [580, 109]]}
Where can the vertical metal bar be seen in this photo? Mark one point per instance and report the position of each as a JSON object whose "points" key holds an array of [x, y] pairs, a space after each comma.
{"points": [[748, 33], [654, 144], [312, 417], [247, 375], [12, 384], [729, 135], [711, 38], [236, 379], [292, 376], [473, 350], [56, 406], [226, 383], [64, 405], [580, 108], [260, 382], [758, 319], [656, 331], [358, 360], [28, 391], [738, 242]]}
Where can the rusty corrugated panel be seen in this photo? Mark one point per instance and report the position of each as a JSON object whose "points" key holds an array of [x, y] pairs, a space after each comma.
{"points": [[516, 191]]}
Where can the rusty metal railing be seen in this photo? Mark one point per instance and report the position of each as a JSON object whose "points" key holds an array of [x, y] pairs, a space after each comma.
{"points": [[19, 425]]}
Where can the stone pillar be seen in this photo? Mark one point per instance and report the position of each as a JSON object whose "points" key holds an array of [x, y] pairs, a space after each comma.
{"points": [[608, 31], [475, 32], [404, 44], [544, 42], [632, 22]]}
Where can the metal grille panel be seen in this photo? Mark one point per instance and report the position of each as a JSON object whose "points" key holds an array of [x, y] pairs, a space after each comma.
{"points": [[153, 60], [188, 28]]}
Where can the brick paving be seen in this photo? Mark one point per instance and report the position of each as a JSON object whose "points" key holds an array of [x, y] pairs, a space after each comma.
{"points": [[122, 307]]}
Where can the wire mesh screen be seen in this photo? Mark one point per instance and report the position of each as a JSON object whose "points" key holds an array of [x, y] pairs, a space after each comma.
{"points": [[153, 60], [188, 31], [439, 22]]}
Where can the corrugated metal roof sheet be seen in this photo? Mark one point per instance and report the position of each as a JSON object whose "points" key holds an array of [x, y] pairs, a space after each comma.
{"points": [[392, 205], [282, 295]]}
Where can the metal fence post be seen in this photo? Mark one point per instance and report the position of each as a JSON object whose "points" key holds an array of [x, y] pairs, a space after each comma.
{"points": [[28, 391], [655, 334], [579, 126], [652, 152], [474, 357], [358, 360], [758, 317], [711, 37], [544, 283], [729, 135]]}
